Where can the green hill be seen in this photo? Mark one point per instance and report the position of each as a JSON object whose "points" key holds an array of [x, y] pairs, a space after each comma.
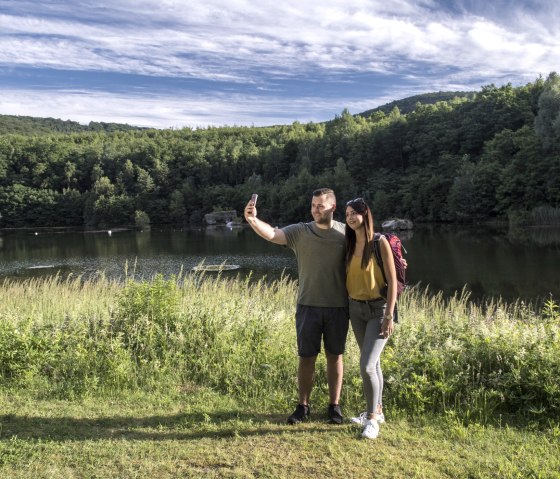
{"points": [[29, 125], [407, 105], [489, 155]]}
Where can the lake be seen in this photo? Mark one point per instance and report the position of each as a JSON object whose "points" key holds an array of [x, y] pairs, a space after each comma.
{"points": [[490, 262]]}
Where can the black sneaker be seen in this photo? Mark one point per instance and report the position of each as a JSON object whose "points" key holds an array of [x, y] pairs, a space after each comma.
{"points": [[301, 413], [335, 414]]}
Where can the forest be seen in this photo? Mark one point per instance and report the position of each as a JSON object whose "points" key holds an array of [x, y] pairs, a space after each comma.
{"points": [[490, 155]]}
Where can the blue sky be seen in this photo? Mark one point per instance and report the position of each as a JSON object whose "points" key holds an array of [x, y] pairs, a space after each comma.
{"points": [[177, 63]]}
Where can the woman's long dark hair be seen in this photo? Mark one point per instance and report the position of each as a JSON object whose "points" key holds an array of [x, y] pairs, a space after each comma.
{"points": [[360, 207]]}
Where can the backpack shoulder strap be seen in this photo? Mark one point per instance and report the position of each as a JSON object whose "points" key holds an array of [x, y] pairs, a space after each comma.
{"points": [[377, 254], [377, 250]]}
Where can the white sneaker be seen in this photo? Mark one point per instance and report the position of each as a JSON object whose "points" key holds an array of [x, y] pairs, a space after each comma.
{"points": [[363, 418], [371, 429]]}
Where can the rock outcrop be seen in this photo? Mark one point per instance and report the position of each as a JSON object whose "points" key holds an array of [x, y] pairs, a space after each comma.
{"points": [[397, 224], [221, 217]]}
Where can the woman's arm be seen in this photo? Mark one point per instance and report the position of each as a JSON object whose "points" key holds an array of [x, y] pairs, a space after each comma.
{"points": [[391, 277]]}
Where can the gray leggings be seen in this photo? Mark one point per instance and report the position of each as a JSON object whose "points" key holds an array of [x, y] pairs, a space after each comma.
{"points": [[366, 319]]}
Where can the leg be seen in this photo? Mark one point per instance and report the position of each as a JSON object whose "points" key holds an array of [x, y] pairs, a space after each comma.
{"points": [[370, 367], [380, 379], [334, 336], [309, 330], [359, 323], [359, 317], [306, 370], [335, 370]]}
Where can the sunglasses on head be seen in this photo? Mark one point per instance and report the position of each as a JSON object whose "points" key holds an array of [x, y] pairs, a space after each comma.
{"points": [[359, 201]]}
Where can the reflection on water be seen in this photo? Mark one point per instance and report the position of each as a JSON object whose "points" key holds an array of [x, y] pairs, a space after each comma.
{"points": [[142, 254], [538, 235], [491, 262]]}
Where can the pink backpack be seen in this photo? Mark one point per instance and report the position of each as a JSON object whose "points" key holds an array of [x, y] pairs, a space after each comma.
{"points": [[397, 249]]}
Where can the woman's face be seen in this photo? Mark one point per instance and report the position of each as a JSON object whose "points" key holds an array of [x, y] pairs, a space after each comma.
{"points": [[354, 219]]}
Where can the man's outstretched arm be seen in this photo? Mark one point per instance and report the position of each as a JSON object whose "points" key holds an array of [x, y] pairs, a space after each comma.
{"points": [[264, 230]]}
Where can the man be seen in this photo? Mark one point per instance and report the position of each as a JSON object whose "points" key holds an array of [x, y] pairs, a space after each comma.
{"points": [[322, 304]]}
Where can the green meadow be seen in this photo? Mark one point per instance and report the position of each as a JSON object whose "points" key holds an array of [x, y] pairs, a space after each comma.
{"points": [[194, 377]]}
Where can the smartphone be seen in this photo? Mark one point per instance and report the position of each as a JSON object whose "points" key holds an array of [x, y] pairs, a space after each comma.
{"points": [[254, 197]]}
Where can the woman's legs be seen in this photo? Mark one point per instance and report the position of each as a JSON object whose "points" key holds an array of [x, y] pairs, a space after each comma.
{"points": [[379, 405], [366, 324], [370, 365]]}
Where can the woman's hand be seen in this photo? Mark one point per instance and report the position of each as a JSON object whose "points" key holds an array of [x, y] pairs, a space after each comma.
{"points": [[387, 326]]}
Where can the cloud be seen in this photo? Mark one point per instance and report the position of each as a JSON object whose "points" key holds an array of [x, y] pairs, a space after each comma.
{"points": [[161, 111], [261, 46], [229, 39]]}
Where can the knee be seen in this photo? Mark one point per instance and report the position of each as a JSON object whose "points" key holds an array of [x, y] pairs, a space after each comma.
{"points": [[307, 360], [368, 370], [333, 358]]}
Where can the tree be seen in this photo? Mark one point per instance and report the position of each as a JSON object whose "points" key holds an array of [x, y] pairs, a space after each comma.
{"points": [[69, 172], [461, 200], [144, 181], [177, 210], [547, 121], [141, 220]]}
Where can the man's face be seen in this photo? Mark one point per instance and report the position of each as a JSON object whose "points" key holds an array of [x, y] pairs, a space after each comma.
{"points": [[322, 209]]}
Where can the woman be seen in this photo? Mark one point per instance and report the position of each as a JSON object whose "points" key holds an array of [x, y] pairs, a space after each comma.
{"points": [[371, 314]]}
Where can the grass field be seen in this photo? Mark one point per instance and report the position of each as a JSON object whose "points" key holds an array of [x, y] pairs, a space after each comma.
{"points": [[194, 377], [201, 434]]}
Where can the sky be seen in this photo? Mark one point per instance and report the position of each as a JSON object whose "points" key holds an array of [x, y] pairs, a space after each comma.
{"points": [[185, 63]]}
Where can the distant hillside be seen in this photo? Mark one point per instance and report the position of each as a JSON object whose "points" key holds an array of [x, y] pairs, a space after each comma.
{"points": [[490, 158], [28, 125], [406, 105]]}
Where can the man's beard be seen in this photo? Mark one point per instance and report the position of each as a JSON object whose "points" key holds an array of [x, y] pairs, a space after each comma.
{"points": [[324, 220]]}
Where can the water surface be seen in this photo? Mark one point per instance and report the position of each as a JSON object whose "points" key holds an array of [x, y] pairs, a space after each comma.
{"points": [[522, 264]]}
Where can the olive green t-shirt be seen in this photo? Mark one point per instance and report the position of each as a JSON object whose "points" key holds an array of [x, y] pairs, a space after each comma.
{"points": [[320, 257]]}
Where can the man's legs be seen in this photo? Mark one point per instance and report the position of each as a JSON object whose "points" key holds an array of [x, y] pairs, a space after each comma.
{"points": [[309, 332], [306, 371], [312, 324], [335, 332], [335, 371], [334, 335], [308, 328]]}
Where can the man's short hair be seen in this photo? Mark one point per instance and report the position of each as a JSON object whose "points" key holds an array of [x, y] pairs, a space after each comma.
{"points": [[325, 191]]}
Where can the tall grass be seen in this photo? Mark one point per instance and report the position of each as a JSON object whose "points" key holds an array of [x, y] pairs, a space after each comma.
{"points": [[476, 361], [65, 337]]}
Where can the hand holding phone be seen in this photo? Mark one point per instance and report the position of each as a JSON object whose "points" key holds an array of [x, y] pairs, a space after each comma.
{"points": [[250, 209]]}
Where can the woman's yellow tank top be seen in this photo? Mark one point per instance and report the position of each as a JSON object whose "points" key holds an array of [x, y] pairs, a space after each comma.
{"points": [[364, 283]]}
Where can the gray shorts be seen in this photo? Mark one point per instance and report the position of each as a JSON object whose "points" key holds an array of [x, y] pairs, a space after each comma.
{"points": [[314, 323]]}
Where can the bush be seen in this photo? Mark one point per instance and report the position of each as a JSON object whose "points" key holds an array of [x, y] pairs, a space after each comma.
{"points": [[147, 316], [473, 361]]}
